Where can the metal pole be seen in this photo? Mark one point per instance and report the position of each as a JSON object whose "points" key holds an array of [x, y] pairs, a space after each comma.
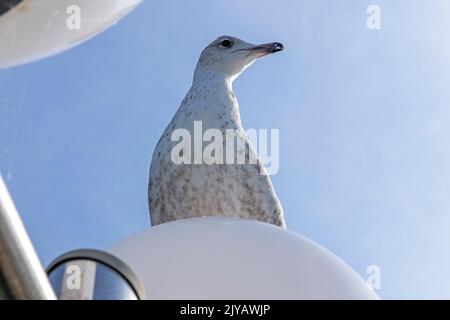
{"points": [[19, 264]]}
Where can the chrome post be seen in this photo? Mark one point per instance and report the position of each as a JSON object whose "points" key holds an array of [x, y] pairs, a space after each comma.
{"points": [[20, 268]]}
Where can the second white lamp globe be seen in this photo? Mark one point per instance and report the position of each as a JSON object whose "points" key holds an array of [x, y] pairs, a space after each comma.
{"points": [[35, 29]]}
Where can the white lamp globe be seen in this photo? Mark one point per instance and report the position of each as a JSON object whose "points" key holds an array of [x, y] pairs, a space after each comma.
{"points": [[225, 258], [35, 29]]}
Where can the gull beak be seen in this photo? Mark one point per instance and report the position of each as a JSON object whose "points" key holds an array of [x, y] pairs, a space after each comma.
{"points": [[265, 49]]}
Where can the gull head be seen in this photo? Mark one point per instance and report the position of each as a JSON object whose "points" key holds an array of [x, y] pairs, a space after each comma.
{"points": [[227, 57]]}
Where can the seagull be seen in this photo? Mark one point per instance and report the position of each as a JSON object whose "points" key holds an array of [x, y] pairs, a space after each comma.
{"points": [[199, 189]]}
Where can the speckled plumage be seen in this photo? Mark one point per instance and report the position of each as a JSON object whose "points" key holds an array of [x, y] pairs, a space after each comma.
{"points": [[179, 191]]}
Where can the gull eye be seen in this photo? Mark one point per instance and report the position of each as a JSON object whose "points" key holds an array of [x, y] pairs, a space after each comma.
{"points": [[227, 43]]}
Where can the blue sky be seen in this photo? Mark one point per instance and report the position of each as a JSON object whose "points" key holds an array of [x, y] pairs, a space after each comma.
{"points": [[364, 119]]}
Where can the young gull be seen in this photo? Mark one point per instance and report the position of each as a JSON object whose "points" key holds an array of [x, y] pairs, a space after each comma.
{"points": [[200, 188]]}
